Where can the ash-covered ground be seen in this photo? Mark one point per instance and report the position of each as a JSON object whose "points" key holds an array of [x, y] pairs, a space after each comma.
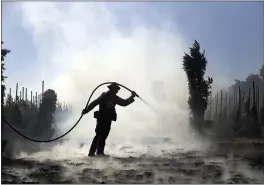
{"points": [[150, 163]]}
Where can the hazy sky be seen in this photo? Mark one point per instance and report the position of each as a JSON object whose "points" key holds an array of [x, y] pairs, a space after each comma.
{"points": [[230, 32]]}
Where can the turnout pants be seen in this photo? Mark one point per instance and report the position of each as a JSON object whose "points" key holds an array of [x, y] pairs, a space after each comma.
{"points": [[102, 130]]}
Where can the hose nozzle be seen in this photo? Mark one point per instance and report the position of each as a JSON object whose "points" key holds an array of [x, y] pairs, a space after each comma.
{"points": [[135, 94]]}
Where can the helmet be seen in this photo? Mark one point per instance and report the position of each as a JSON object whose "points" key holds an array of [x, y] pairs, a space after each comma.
{"points": [[113, 86]]}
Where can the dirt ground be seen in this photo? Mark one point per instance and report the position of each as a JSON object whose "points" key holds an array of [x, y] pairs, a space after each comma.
{"points": [[211, 166]]}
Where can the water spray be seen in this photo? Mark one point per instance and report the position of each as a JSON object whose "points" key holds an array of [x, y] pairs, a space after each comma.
{"points": [[144, 101], [59, 137]]}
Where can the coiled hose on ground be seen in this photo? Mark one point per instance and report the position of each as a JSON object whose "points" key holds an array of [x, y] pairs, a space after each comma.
{"points": [[50, 140]]}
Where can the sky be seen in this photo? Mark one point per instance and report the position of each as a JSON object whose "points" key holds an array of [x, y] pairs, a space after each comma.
{"points": [[230, 32]]}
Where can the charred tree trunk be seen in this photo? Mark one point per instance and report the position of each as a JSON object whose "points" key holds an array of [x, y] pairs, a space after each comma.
{"points": [[255, 127], [247, 107], [26, 95], [20, 97], [23, 94], [221, 107], [31, 99], [36, 99], [216, 108], [42, 91], [16, 100]]}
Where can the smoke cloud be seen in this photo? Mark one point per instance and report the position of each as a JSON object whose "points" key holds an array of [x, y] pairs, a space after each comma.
{"points": [[85, 45]]}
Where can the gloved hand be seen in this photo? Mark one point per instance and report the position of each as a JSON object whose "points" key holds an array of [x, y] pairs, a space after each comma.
{"points": [[134, 94], [84, 111]]}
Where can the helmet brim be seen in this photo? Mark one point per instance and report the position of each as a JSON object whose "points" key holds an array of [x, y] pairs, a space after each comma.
{"points": [[113, 87]]}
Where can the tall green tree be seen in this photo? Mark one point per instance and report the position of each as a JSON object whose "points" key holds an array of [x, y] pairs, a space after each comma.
{"points": [[4, 52], [194, 66]]}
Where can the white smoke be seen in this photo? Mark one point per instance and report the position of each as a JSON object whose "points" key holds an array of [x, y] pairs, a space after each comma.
{"points": [[87, 47]]}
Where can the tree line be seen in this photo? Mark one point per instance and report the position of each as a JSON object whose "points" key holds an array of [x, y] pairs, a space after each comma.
{"points": [[34, 116]]}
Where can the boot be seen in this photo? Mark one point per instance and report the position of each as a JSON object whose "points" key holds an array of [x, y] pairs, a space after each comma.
{"points": [[93, 146], [102, 155], [91, 155]]}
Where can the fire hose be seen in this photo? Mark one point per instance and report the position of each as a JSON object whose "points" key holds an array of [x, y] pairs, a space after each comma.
{"points": [[50, 140]]}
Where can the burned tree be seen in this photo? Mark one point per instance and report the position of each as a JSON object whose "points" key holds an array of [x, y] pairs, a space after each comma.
{"points": [[199, 89]]}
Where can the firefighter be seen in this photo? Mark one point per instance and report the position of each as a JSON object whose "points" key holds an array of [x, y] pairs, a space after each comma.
{"points": [[106, 114]]}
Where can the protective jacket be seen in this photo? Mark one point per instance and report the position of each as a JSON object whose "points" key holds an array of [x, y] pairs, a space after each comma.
{"points": [[107, 102]]}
